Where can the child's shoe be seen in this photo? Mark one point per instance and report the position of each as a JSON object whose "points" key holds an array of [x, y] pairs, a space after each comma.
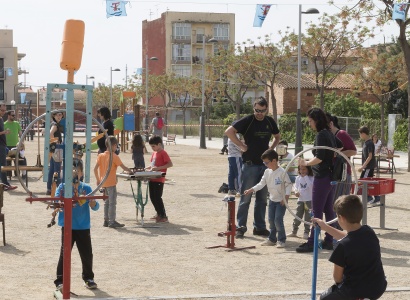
{"points": [[90, 284], [268, 242], [281, 245]]}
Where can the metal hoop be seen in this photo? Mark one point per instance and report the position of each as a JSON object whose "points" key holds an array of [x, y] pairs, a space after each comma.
{"points": [[28, 128], [327, 148]]}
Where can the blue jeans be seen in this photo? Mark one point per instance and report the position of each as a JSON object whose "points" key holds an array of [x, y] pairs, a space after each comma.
{"points": [[251, 175], [276, 213], [54, 167], [3, 163], [234, 173]]}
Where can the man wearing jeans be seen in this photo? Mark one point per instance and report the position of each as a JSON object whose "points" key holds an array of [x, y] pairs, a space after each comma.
{"points": [[256, 130]]}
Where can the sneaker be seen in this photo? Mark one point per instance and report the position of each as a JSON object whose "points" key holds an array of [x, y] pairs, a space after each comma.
{"points": [[161, 220], [327, 245], [154, 217], [115, 224], [292, 235], [305, 248], [268, 242], [90, 284], [59, 287], [263, 232], [239, 234], [371, 201], [105, 224], [232, 193], [305, 235], [9, 187], [281, 245]]}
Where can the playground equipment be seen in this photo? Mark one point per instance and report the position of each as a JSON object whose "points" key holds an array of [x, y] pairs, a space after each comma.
{"points": [[139, 176], [231, 228], [70, 61]]}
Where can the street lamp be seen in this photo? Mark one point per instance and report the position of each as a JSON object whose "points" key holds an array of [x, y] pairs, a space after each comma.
{"points": [[111, 70], [146, 91], [13, 103], [202, 143], [88, 77], [298, 142]]}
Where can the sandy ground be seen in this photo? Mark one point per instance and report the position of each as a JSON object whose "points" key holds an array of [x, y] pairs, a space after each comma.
{"points": [[171, 260]]}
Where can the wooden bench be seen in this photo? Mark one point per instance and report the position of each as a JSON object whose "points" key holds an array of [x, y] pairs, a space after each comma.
{"points": [[170, 139]]}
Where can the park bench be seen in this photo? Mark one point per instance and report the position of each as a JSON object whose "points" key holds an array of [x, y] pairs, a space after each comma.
{"points": [[170, 139], [22, 168]]}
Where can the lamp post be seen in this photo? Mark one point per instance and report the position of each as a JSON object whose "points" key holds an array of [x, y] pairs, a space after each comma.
{"points": [[202, 143], [146, 91], [298, 142], [13, 103], [88, 77], [111, 70]]}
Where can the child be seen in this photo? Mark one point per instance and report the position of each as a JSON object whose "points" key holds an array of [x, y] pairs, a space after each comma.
{"points": [[303, 190], [277, 182], [110, 183], [358, 271], [160, 161], [368, 159], [138, 151], [286, 157], [80, 229], [235, 168]]}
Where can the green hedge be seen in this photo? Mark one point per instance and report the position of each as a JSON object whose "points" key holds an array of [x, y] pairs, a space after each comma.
{"points": [[400, 137]]}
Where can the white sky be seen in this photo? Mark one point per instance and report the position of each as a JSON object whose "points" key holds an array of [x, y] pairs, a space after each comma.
{"points": [[116, 42]]}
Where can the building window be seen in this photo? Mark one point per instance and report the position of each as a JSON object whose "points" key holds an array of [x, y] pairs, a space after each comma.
{"points": [[219, 47], [309, 94], [181, 52], [1, 67], [221, 31], [182, 71], [181, 31], [1, 89]]}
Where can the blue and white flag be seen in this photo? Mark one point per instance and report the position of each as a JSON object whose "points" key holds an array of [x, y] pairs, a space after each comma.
{"points": [[260, 14], [116, 8], [399, 11]]}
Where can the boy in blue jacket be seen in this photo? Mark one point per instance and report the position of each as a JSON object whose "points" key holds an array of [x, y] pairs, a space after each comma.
{"points": [[80, 229]]}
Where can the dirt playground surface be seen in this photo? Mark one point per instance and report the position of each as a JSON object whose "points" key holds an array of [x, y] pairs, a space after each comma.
{"points": [[171, 261]]}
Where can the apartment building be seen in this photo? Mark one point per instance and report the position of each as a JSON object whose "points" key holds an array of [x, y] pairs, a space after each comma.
{"points": [[181, 41], [9, 70]]}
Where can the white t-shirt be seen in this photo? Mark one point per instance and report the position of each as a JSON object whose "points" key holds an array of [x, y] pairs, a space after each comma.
{"points": [[277, 182], [304, 186]]}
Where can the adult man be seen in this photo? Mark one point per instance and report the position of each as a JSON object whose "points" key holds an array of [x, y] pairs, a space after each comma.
{"points": [[15, 130], [158, 124], [13, 138], [256, 130], [3, 146], [349, 149]]}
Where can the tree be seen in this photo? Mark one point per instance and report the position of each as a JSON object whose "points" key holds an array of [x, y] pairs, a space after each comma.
{"points": [[377, 70], [102, 95], [361, 8], [328, 45], [231, 78], [266, 61]]}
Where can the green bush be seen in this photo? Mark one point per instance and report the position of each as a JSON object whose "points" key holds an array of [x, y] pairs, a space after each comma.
{"points": [[400, 137]]}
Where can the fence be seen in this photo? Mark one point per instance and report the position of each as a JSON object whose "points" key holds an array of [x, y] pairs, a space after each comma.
{"points": [[213, 128]]}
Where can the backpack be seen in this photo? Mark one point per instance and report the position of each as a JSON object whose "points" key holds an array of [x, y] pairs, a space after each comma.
{"points": [[160, 123], [339, 170]]}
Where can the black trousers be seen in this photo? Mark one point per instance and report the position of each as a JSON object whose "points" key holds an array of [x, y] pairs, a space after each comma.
{"points": [[155, 193], [83, 240]]}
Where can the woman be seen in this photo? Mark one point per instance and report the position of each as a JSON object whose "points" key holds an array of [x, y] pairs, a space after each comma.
{"points": [[56, 131], [322, 164], [105, 115], [377, 144]]}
